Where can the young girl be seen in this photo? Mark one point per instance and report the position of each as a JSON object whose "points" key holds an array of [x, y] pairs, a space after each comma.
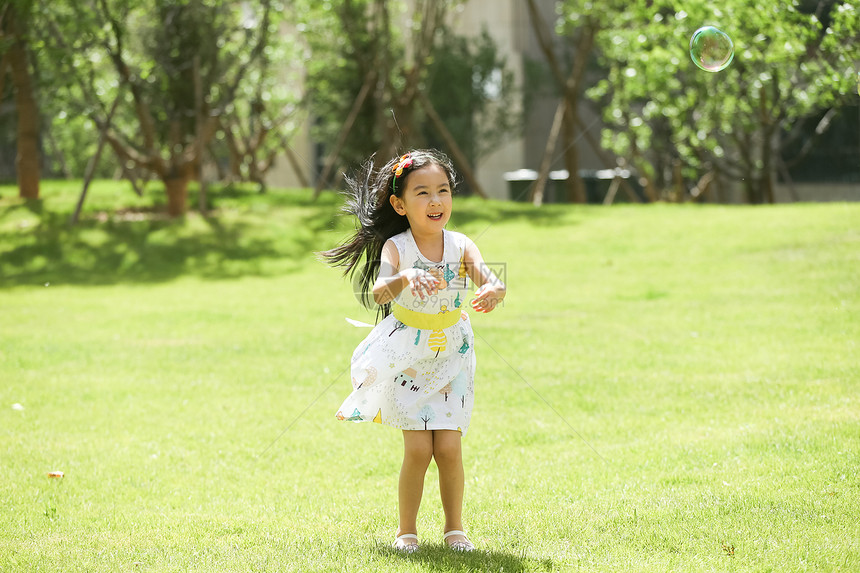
{"points": [[415, 371]]}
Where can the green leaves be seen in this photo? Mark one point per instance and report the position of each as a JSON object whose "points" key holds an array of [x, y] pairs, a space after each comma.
{"points": [[788, 65]]}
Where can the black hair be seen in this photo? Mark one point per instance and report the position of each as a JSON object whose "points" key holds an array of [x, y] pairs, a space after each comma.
{"points": [[368, 200]]}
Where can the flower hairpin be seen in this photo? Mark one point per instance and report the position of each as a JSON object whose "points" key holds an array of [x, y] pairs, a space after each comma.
{"points": [[405, 162]]}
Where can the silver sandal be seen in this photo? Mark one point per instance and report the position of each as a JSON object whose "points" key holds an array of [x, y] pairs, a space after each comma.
{"points": [[400, 543], [459, 545]]}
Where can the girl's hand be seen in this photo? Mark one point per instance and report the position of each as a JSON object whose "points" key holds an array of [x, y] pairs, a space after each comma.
{"points": [[421, 282], [488, 297]]}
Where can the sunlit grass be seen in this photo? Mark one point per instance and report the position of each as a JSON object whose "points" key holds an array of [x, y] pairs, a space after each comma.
{"points": [[667, 388]]}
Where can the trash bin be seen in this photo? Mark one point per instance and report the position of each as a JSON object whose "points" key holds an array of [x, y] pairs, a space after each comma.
{"points": [[522, 181], [520, 184], [596, 181], [597, 184], [556, 189]]}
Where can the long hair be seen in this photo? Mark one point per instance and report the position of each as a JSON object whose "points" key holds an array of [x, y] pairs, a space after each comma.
{"points": [[367, 198]]}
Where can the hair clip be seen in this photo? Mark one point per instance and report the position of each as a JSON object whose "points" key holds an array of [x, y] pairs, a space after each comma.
{"points": [[404, 163]]}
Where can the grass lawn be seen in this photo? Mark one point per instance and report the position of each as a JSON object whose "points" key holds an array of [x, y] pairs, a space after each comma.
{"points": [[668, 388]]}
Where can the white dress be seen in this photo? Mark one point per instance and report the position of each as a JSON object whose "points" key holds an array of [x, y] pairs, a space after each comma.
{"points": [[412, 378]]}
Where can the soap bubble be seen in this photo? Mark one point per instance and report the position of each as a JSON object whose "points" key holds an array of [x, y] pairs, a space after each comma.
{"points": [[711, 49]]}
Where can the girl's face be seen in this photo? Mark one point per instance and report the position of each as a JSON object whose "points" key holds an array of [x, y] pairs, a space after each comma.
{"points": [[426, 199]]}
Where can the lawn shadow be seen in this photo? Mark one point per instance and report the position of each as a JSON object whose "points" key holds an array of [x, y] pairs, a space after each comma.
{"points": [[244, 233], [437, 557], [490, 212], [143, 245]]}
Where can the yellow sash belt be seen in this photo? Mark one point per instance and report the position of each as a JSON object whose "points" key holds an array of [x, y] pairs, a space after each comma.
{"points": [[423, 320]]}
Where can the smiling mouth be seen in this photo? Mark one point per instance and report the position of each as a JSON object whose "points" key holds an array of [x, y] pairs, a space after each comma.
{"points": [[436, 217]]}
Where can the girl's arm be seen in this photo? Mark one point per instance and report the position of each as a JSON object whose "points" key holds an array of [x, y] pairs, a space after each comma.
{"points": [[390, 282], [491, 291]]}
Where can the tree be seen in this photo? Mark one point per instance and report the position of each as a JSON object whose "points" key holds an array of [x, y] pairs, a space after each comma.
{"points": [[426, 415], [182, 63], [15, 57], [676, 123], [446, 390], [382, 78], [267, 108], [367, 68]]}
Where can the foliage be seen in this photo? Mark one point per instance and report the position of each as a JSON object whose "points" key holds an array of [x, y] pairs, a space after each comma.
{"points": [[340, 53], [66, 79], [466, 80], [675, 340], [144, 53], [267, 107], [660, 109], [145, 49], [473, 90]]}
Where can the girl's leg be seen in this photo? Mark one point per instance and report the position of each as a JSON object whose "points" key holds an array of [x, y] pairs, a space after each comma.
{"points": [[417, 453], [449, 460]]}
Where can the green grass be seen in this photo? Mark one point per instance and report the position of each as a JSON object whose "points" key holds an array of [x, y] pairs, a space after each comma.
{"points": [[668, 388]]}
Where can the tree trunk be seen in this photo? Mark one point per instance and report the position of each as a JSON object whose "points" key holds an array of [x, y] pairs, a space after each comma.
{"points": [[177, 195], [94, 160], [575, 188], [27, 160], [536, 196]]}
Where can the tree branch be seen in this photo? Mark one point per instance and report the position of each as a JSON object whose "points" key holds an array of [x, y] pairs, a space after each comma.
{"points": [[458, 156], [144, 115], [94, 160], [291, 157], [369, 80], [546, 161], [126, 153], [256, 52]]}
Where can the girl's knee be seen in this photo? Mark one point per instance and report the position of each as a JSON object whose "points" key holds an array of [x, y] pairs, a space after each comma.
{"points": [[447, 451], [418, 452]]}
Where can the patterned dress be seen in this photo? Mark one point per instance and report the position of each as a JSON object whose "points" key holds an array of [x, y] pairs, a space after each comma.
{"points": [[415, 378]]}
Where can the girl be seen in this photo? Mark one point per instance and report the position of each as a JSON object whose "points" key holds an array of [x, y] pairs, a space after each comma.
{"points": [[415, 371]]}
